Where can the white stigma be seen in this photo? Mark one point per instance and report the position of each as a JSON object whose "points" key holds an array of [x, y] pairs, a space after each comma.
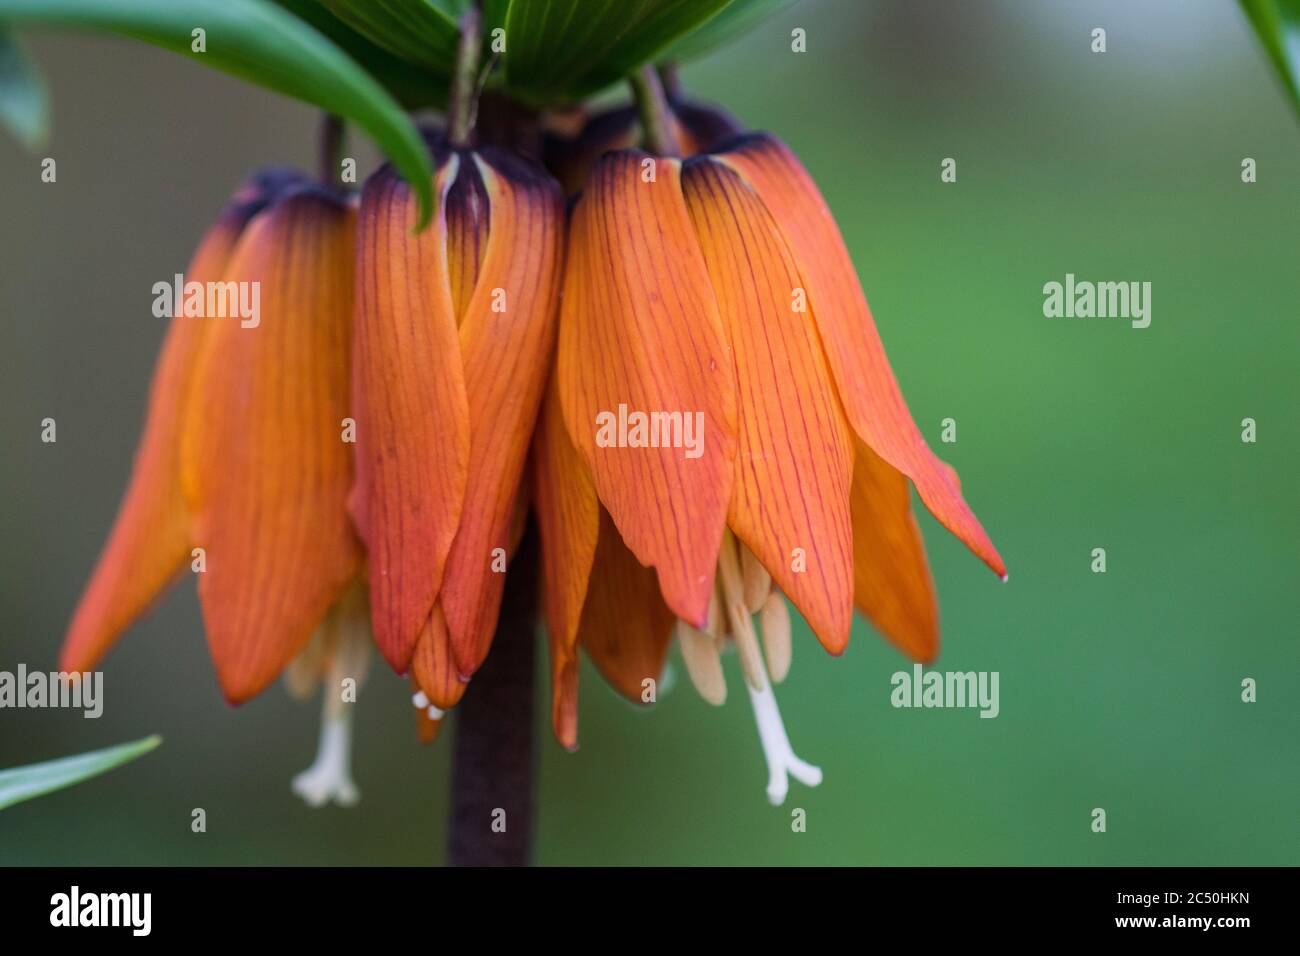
{"points": [[421, 701], [345, 639], [330, 776], [782, 762]]}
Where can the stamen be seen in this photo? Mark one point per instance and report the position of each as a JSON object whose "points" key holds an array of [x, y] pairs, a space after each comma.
{"points": [[775, 623], [703, 665], [742, 626], [758, 583], [782, 763], [717, 622], [330, 775]]}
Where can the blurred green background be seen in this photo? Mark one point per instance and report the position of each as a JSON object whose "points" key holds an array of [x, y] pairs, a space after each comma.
{"points": [[1118, 690]]}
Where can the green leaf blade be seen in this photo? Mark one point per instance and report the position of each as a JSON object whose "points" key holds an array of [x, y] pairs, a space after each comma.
{"points": [[418, 31], [737, 19], [259, 42], [563, 50], [1277, 24], [24, 103], [34, 780], [412, 86]]}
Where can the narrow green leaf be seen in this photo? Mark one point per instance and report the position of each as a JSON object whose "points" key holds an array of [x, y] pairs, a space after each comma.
{"points": [[418, 31], [34, 780], [24, 104], [737, 19], [563, 50], [257, 41], [1277, 23], [412, 86], [494, 14]]}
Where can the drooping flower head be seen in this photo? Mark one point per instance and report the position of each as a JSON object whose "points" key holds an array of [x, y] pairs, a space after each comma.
{"points": [[241, 472], [452, 328], [725, 425]]}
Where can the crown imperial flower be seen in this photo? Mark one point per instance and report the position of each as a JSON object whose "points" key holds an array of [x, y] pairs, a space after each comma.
{"points": [[663, 398], [719, 284]]}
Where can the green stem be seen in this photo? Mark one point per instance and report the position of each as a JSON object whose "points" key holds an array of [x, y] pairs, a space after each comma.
{"points": [[329, 149], [462, 102], [654, 112]]}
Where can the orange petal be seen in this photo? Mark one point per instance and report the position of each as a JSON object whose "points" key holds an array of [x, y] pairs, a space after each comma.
{"points": [[264, 463], [794, 465], [507, 330], [568, 519], [626, 626], [564, 697], [433, 666], [892, 583], [867, 386], [408, 399], [150, 540], [640, 334]]}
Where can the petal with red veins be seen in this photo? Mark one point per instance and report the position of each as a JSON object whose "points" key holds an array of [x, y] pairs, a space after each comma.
{"points": [[264, 463], [872, 400], [794, 464], [410, 406], [640, 335], [507, 328]]}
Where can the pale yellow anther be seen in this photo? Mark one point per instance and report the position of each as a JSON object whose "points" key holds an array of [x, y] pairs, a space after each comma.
{"points": [[738, 616], [717, 623], [703, 665], [774, 620], [758, 583], [345, 630], [304, 671]]}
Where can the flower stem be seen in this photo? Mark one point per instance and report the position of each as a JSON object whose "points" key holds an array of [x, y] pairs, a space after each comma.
{"points": [[654, 112], [462, 101], [493, 769], [329, 146]]}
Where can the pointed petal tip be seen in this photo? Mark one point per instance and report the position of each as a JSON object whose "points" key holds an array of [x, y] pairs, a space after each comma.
{"points": [[993, 560], [237, 689], [566, 733], [564, 697], [397, 655], [636, 286], [835, 648]]}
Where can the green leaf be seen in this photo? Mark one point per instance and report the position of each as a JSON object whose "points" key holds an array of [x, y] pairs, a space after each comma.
{"points": [[34, 780], [562, 50], [737, 19], [1277, 22], [259, 42], [413, 86], [418, 31], [24, 104]]}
